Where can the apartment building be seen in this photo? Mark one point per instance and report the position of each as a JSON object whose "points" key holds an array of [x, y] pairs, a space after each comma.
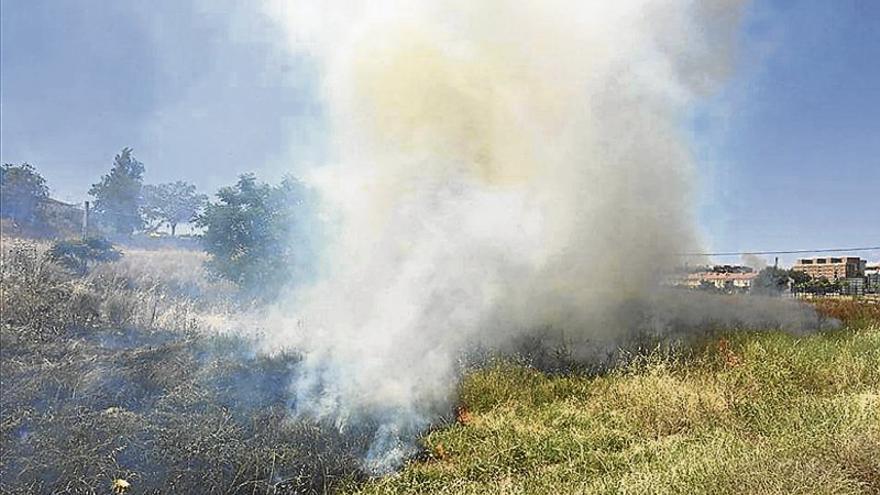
{"points": [[832, 267]]}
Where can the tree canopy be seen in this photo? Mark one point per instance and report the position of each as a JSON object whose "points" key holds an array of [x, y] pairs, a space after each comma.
{"points": [[118, 194], [771, 281], [22, 190], [249, 233], [170, 204]]}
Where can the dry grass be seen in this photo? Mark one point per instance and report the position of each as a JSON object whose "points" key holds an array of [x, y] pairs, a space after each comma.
{"points": [[753, 413], [110, 376], [854, 312]]}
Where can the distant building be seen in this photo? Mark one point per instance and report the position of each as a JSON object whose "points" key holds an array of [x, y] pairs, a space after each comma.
{"points": [[832, 268], [736, 281], [726, 278], [872, 277]]}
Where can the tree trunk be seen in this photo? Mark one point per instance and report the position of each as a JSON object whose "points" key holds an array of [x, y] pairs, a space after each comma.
{"points": [[173, 227]]}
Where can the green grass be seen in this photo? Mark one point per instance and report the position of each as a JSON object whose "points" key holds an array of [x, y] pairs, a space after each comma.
{"points": [[762, 413], [117, 374]]}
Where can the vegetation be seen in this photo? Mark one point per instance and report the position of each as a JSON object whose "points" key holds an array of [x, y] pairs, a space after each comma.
{"points": [[773, 281], [819, 286], [127, 372], [257, 234], [770, 281], [111, 376], [171, 204], [750, 413], [22, 190], [118, 194], [854, 312], [79, 255], [249, 233]]}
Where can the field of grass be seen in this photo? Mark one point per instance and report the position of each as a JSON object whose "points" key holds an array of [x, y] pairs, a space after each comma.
{"points": [[751, 413], [116, 374]]}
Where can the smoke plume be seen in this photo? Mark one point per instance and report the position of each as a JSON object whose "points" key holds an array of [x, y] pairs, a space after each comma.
{"points": [[497, 167]]}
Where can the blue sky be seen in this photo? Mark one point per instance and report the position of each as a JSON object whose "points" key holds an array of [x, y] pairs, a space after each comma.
{"points": [[789, 149], [200, 90], [792, 143]]}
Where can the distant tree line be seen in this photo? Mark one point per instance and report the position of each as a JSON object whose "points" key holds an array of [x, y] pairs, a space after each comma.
{"points": [[256, 233], [772, 280], [123, 204]]}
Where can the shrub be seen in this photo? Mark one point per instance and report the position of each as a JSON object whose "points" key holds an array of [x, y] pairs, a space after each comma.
{"points": [[118, 194], [22, 189], [79, 255], [250, 234]]}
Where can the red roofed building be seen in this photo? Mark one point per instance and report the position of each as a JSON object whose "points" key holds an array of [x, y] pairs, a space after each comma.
{"points": [[733, 282]]}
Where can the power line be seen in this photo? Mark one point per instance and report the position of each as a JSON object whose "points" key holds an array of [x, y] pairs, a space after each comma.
{"points": [[795, 251]]}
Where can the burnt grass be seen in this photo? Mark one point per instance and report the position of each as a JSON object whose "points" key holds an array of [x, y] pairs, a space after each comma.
{"points": [[88, 397], [111, 375], [184, 414]]}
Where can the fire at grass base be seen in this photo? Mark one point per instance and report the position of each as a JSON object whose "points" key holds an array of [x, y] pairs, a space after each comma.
{"points": [[110, 381]]}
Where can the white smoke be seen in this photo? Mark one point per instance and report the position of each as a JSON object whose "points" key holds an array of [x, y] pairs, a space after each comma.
{"points": [[497, 167], [755, 262]]}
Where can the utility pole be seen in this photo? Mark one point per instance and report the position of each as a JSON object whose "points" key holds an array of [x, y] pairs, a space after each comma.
{"points": [[85, 229]]}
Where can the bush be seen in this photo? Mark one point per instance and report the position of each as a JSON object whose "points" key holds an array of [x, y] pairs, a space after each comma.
{"points": [[118, 194], [79, 255], [22, 189], [250, 234]]}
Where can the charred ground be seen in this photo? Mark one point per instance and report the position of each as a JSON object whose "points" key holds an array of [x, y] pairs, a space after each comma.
{"points": [[115, 375], [107, 376]]}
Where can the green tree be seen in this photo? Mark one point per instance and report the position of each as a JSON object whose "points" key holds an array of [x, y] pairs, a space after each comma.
{"points": [[800, 281], [22, 191], [171, 204], [80, 255], [771, 281], [118, 195], [250, 230], [823, 286]]}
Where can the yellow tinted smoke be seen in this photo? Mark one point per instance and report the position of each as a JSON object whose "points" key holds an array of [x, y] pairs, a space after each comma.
{"points": [[497, 168], [449, 112]]}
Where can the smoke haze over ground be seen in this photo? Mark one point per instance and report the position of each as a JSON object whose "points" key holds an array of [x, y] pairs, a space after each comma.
{"points": [[496, 169]]}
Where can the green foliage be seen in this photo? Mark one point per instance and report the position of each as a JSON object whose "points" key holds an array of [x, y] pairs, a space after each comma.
{"points": [[798, 277], [249, 233], [22, 190], [822, 285], [171, 204], [79, 255], [118, 195], [771, 281], [804, 283]]}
